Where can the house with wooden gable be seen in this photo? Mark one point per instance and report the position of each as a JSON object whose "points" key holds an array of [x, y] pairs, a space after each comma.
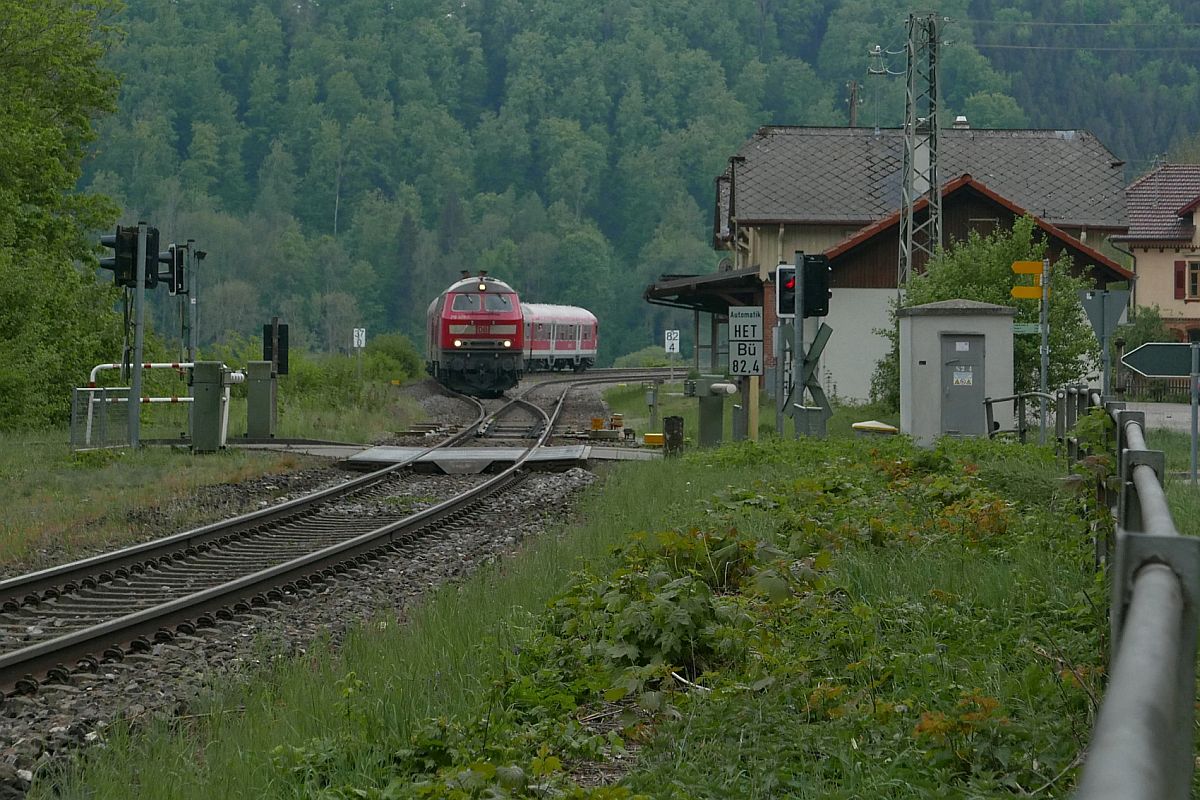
{"points": [[837, 191], [1165, 244]]}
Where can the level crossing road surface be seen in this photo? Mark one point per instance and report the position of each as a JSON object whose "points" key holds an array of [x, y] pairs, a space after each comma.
{"points": [[1172, 416]]}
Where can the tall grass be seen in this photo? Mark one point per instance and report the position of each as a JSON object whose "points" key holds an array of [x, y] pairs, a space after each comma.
{"points": [[364, 701], [61, 502]]}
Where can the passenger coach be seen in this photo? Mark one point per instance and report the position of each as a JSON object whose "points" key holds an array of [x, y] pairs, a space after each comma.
{"points": [[559, 337]]}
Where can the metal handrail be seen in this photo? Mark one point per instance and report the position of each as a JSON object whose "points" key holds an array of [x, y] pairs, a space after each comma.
{"points": [[1018, 401], [1142, 742]]}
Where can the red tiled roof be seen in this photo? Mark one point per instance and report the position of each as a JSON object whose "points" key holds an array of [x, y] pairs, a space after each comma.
{"points": [[964, 181], [1160, 204]]}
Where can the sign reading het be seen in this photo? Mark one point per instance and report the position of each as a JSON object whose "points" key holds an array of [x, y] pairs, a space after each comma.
{"points": [[671, 341], [745, 340]]}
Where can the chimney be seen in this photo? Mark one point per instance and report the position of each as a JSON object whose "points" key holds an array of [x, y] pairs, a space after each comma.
{"points": [[960, 123]]}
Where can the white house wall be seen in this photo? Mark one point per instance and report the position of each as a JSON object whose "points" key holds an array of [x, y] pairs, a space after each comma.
{"points": [[850, 357]]}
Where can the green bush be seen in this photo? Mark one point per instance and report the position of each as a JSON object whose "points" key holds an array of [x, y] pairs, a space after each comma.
{"points": [[393, 356], [652, 356]]}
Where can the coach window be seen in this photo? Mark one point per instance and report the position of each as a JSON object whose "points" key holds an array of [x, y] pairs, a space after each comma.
{"points": [[466, 302]]}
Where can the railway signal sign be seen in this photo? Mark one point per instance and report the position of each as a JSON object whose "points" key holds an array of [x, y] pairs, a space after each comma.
{"points": [[1160, 360], [746, 340], [360, 338], [671, 341]]}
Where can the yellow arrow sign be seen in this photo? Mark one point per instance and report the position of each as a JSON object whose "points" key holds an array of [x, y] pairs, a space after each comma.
{"points": [[1028, 292], [1027, 267]]}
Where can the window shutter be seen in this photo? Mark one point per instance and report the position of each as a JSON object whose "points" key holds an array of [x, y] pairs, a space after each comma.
{"points": [[1180, 280]]}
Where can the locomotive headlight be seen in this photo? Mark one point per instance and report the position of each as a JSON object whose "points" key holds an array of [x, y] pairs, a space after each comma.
{"points": [[458, 342], [508, 343], [482, 286]]}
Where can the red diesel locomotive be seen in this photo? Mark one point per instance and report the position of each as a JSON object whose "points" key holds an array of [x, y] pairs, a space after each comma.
{"points": [[475, 338]]}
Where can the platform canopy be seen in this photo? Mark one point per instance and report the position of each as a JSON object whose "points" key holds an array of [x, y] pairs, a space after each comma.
{"points": [[713, 293]]}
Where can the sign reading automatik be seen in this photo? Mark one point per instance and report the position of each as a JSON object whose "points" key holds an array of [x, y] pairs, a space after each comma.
{"points": [[745, 340]]}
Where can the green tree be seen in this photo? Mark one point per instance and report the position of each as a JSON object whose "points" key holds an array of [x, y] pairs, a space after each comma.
{"points": [[981, 269], [55, 321], [1145, 325]]}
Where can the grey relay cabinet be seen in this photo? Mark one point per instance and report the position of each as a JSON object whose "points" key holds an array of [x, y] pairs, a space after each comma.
{"points": [[953, 354]]}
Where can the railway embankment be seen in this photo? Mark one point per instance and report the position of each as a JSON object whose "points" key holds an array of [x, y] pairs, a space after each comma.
{"points": [[811, 619]]}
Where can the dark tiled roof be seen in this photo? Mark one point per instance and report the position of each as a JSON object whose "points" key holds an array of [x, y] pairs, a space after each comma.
{"points": [[1156, 200], [852, 175]]}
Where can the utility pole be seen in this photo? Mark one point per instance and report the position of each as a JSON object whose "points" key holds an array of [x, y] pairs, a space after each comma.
{"points": [[920, 175], [854, 101]]}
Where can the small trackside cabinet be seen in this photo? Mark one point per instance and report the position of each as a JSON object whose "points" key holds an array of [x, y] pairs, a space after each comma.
{"points": [[207, 391], [260, 400], [953, 355], [711, 391]]}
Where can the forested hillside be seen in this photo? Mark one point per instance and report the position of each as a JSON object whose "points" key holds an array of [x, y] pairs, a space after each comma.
{"points": [[342, 161]]}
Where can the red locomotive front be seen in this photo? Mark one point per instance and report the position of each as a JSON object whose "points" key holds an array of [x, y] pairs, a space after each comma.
{"points": [[475, 337]]}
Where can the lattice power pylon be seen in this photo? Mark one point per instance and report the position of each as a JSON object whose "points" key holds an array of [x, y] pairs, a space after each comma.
{"points": [[920, 146]]}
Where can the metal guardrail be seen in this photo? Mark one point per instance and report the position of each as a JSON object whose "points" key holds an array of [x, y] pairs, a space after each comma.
{"points": [[1020, 413], [1141, 747]]}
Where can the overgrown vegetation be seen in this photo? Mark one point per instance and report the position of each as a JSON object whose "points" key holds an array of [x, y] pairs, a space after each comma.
{"points": [[813, 619]]}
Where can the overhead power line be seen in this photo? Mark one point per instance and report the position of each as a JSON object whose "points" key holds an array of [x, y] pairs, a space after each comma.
{"points": [[982, 46], [1045, 24]]}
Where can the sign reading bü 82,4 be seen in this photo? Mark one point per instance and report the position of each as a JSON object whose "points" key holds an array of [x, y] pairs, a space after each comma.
{"points": [[746, 340]]}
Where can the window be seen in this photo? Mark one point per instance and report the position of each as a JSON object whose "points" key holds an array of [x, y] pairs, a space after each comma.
{"points": [[465, 302], [1187, 281], [497, 302]]}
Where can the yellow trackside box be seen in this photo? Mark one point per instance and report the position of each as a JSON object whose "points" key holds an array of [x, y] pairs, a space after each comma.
{"points": [[653, 439], [597, 423]]}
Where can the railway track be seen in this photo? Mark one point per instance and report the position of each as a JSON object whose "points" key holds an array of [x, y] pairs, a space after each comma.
{"points": [[72, 618]]}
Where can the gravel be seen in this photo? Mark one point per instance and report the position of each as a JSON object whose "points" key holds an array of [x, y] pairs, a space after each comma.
{"points": [[39, 730]]}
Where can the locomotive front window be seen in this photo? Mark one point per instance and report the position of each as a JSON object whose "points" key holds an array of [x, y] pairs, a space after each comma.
{"points": [[465, 302], [497, 302]]}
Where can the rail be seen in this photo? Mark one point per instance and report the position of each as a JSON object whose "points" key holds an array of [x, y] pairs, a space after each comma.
{"points": [[1141, 745]]}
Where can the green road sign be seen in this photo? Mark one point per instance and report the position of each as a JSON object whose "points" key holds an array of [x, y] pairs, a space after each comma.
{"points": [[1160, 360]]}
